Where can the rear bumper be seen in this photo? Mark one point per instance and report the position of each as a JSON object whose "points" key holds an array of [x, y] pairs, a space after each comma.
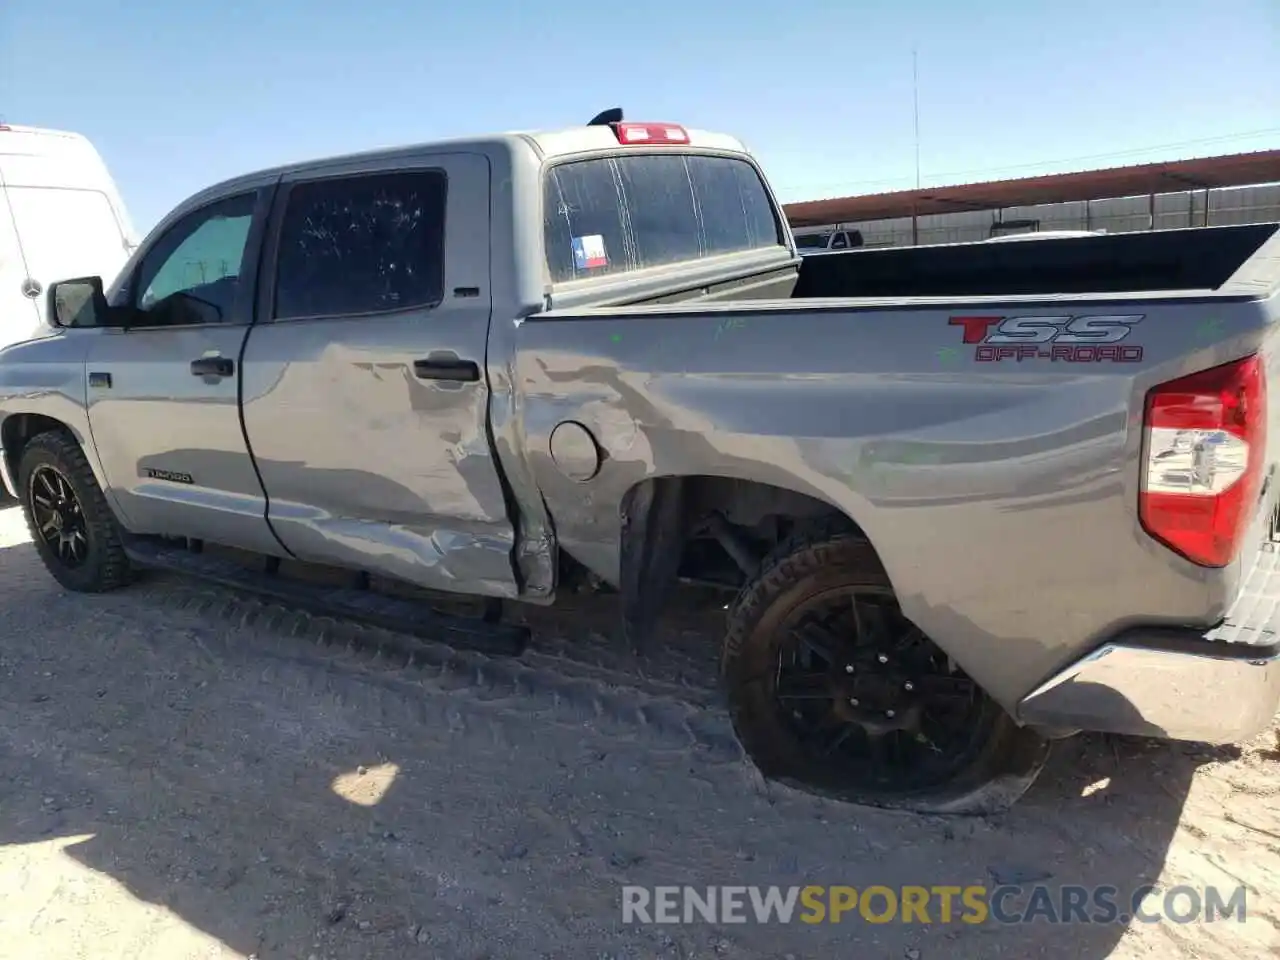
{"points": [[1217, 686]]}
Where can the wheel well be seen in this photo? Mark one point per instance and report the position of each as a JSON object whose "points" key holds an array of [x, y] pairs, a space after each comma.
{"points": [[705, 529], [760, 508], [16, 432]]}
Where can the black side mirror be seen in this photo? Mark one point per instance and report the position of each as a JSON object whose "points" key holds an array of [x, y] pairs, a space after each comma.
{"points": [[80, 303]]}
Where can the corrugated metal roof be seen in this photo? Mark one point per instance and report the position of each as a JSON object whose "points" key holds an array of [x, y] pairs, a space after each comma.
{"points": [[1233, 170]]}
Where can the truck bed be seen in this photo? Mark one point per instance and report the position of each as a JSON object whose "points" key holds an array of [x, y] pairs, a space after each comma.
{"points": [[940, 447], [1161, 260]]}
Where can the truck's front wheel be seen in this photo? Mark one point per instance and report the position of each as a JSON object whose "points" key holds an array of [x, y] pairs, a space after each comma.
{"points": [[74, 530], [833, 689]]}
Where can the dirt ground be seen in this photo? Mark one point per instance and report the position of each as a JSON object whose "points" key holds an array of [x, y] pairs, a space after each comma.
{"points": [[186, 773]]}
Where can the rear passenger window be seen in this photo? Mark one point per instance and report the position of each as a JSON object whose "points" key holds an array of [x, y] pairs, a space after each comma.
{"points": [[368, 244], [612, 215]]}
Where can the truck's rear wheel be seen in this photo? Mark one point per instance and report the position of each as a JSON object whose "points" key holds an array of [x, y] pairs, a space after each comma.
{"points": [[831, 688], [74, 530]]}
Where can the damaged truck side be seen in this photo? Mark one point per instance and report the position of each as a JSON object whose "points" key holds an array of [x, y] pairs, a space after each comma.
{"points": [[967, 498]]}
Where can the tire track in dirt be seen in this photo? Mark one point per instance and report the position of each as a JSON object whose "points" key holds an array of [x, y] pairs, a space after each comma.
{"points": [[195, 734], [548, 687]]}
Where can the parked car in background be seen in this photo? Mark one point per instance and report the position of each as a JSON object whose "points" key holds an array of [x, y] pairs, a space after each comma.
{"points": [[809, 243]]}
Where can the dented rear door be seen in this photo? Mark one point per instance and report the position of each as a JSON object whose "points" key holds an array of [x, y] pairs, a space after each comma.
{"points": [[365, 390]]}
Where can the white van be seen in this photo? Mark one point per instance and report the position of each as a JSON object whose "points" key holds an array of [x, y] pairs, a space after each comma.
{"points": [[60, 217]]}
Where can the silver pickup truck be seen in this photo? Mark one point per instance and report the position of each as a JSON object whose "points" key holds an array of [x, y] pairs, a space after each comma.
{"points": [[968, 499]]}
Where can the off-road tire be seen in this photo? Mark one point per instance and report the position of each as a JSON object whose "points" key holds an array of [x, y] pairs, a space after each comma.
{"points": [[818, 558], [107, 566]]}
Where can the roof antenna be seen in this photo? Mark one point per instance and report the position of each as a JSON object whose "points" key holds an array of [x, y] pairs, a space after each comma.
{"points": [[612, 115]]}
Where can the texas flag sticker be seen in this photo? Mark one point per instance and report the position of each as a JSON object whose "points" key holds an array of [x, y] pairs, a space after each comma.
{"points": [[588, 252]]}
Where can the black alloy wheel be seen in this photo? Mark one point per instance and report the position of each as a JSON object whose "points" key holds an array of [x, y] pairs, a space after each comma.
{"points": [[59, 517], [834, 690], [861, 688], [73, 526]]}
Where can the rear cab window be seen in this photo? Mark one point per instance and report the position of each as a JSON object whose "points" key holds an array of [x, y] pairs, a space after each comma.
{"points": [[611, 215]]}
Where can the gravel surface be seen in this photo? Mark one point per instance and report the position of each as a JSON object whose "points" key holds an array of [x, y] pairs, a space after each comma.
{"points": [[188, 773]]}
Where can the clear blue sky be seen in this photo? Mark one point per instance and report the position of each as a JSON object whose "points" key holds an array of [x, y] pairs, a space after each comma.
{"points": [[178, 94]]}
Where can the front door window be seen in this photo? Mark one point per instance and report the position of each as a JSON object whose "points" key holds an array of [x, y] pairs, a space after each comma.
{"points": [[192, 274]]}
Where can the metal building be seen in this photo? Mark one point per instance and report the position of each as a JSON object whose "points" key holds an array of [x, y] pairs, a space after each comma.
{"points": [[1239, 188]]}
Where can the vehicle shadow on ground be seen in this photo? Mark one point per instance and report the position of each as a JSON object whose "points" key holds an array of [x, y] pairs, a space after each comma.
{"points": [[291, 808]]}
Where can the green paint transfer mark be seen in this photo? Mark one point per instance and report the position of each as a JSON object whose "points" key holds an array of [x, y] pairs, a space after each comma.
{"points": [[1209, 329], [876, 462], [616, 338], [731, 324], [948, 354]]}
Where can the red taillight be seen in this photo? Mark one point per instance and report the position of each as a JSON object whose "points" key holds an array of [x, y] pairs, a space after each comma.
{"points": [[630, 133], [1206, 437]]}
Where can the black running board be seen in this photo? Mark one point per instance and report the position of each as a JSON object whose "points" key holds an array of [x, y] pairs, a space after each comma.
{"points": [[365, 606]]}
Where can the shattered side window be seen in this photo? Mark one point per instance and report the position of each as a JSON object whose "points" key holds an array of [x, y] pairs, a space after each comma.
{"points": [[363, 244]]}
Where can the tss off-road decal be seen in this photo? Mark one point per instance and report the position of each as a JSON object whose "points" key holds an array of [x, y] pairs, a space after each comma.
{"points": [[1069, 339]]}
